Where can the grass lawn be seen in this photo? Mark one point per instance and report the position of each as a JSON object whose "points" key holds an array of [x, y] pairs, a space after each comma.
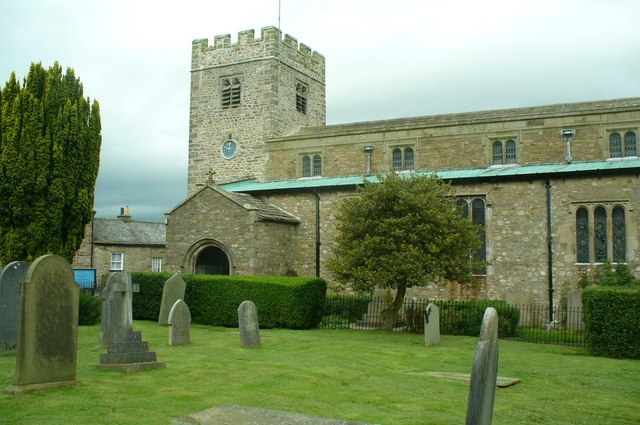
{"points": [[367, 376]]}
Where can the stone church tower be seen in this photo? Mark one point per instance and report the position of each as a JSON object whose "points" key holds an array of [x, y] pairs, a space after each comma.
{"points": [[244, 94]]}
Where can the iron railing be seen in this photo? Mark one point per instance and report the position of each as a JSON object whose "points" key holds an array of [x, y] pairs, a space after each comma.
{"points": [[520, 322]]}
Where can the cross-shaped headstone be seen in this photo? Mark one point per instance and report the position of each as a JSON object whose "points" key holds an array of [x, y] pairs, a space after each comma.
{"points": [[117, 308]]}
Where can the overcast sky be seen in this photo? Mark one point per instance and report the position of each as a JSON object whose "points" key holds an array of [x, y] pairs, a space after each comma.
{"points": [[385, 59]]}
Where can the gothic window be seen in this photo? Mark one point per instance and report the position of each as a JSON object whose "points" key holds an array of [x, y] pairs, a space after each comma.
{"points": [[311, 165], [600, 234], [317, 165], [402, 159], [473, 208], [306, 166], [230, 92], [302, 91], [503, 153], [629, 143], [582, 235], [619, 235], [622, 147], [605, 239]]}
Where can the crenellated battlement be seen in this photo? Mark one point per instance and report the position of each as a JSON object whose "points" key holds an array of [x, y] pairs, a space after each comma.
{"points": [[271, 44]]}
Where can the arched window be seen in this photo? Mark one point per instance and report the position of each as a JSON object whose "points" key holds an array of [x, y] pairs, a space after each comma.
{"points": [[317, 165], [497, 152], [582, 235], [478, 219], [302, 89], [619, 235], [396, 157], [408, 158], [615, 145], [306, 166], [600, 234], [230, 92], [630, 143], [510, 148]]}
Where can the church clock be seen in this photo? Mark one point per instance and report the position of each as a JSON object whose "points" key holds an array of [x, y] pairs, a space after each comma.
{"points": [[229, 148]]}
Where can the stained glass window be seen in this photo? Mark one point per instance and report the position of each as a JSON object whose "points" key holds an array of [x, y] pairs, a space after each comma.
{"points": [[582, 235], [510, 148], [630, 143], [619, 235], [408, 159], [317, 165], [497, 152], [600, 234], [397, 159], [306, 166]]}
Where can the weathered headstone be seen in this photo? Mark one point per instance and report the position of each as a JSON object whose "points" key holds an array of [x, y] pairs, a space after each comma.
{"points": [[523, 301], [48, 326], [574, 310], [431, 325], [172, 291], [117, 314], [179, 324], [11, 276], [125, 349], [248, 324], [484, 372]]}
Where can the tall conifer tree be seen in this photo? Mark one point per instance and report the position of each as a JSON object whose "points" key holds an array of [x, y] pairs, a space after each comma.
{"points": [[50, 138]]}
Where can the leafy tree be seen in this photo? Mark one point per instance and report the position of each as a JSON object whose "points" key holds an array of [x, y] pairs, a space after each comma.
{"points": [[403, 231], [50, 138]]}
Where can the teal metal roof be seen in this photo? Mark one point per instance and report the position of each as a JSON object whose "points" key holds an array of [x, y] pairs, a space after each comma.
{"points": [[505, 172]]}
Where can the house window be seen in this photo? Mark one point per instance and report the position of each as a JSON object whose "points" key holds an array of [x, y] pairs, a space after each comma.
{"points": [[402, 159], [620, 146], [302, 91], [156, 264], [230, 92], [117, 261], [606, 240], [311, 165], [503, 153], [474, 208]]}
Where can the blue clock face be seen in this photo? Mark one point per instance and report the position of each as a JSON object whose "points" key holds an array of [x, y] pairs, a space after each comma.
{"points": [[229, 149]]}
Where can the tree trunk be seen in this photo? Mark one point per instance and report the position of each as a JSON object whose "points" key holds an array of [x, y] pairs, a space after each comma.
{"points": [[389, 315]]}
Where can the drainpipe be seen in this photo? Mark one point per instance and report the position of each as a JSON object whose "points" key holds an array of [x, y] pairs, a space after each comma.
{"points": [[315, 194], [549, 251]]}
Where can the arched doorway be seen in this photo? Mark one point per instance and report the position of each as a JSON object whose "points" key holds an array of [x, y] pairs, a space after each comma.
{"points": [[212, 260]]}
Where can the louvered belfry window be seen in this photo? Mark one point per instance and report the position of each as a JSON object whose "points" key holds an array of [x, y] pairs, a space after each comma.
{"points": [[302, 91], [230, 92]]}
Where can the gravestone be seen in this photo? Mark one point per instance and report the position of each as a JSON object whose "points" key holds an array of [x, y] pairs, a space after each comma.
{"points": [[48, 326], [125, 349], [574, 310], [431, 325], [11, 276], [484, 372], [523, 301], [248, 324], [172, 291], [179, 324]]}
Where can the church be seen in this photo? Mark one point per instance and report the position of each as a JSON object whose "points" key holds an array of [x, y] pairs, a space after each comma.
{"points": [[554, 188]]}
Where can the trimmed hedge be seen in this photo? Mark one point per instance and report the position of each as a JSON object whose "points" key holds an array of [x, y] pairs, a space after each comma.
{"points": [[282, 302], [89, 309], [612, 321]]}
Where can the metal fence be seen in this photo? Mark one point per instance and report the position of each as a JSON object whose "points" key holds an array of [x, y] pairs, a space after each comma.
{"points": [[529, 323]]}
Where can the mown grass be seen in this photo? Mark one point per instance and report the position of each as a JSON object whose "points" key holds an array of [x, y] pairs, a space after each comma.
{"points": [[368, 376]]}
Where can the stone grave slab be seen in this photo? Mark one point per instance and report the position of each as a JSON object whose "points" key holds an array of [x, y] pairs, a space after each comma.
{"points": [[172, 291], [431, 325], [11, 277], [48, 326], [501, 381], [179, 324], [244, 415], [484, 372], [248, 324]]}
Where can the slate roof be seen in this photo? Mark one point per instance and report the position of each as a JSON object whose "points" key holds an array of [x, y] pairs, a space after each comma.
{"points": [[118, 232], [504, 173]]}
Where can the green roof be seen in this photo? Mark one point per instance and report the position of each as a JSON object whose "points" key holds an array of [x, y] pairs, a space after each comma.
{"points": [[504, 173]]}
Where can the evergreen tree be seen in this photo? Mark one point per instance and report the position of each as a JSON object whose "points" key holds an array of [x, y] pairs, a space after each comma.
{"points": [[50, 138], [403, 231]]}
